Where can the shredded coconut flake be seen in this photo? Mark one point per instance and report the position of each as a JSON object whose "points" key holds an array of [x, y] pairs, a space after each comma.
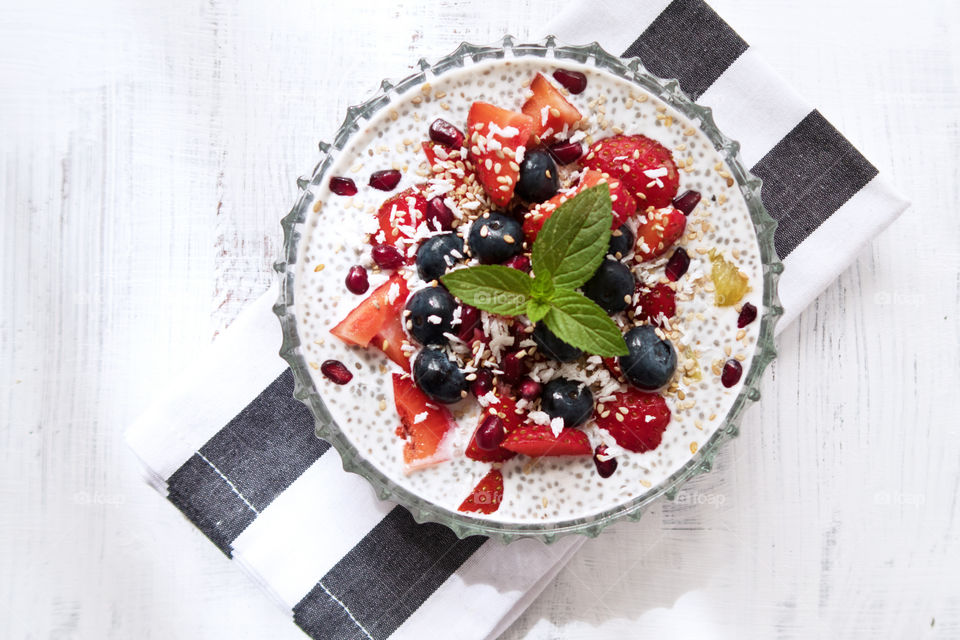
{"points": [[556, 425]]}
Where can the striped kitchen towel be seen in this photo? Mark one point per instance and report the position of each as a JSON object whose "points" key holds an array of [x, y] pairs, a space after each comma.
{"points": [[231, 449]]}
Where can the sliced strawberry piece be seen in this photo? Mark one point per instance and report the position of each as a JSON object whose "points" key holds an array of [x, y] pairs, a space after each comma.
{"points": [[623, 204], [370, 316], [486, 496], [650, 303], [399, 217], [552, 115], [496, 137], [438, 153], [537, 440], [425, 424], [507, 410], [390, 340], [645, 166], [641, 427], [662, 228]]}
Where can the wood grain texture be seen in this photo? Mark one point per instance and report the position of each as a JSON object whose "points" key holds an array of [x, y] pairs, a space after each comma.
{"points": [[148, 151]]}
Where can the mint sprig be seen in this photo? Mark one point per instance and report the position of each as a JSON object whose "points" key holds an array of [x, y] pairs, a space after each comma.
{"points": [[493, 288], [573, 241], [567, 251]]}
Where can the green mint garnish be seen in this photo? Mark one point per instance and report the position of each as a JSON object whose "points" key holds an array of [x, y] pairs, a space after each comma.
{"points": [[581, 323], [573, 241], [493, 288], [569, 248]]}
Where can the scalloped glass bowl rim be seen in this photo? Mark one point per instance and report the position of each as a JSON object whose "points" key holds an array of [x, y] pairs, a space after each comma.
{"points": [[464, 525]]}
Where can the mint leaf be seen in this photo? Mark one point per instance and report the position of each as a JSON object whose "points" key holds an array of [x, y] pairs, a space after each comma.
{"points": [[536, 310], [493, 288], [542, 288], [573, 241], [579, 322]]}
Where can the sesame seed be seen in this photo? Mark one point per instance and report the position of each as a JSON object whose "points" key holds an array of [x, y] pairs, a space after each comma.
{"points": [[508, 239]]}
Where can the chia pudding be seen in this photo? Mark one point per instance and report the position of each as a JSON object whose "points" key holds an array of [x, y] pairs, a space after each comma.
{"points": [[407, 204]]}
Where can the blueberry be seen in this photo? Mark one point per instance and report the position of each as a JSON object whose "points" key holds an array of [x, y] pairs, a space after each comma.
{"points": [[438, 377], [495, 237], [621, 242], [437, 254], [538, 179], [431, 315], [611, 286], [552, 346], [651, 362], [567, 399]]}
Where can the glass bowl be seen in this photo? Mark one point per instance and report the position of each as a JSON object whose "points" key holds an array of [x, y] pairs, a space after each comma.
{"points": [[463, 524]]}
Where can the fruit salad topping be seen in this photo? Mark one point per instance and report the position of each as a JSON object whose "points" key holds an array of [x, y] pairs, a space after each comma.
{"points": [[544, 283]]}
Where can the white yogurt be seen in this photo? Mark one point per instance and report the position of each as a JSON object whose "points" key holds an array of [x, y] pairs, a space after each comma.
{"points": [[548, 489]]}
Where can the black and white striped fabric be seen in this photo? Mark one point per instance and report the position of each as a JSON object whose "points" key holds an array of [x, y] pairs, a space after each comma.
{"points": [[236, 454]]}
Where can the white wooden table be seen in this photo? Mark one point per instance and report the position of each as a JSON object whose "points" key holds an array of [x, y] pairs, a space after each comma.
{"points": [[147, 151]]}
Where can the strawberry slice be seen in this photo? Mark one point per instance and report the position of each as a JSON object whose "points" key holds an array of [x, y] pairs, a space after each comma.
{"points": [[486, 496], [662, 228], [438, 153], [623, 203], [399, 217], [641, 428], [645, 166], [497, 137], [370, 316], [537, 440], [651, 303], [552, 115], [390, 340], [507, 410], [424, 424]]}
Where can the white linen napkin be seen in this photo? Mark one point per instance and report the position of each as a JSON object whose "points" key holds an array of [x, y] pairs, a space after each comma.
{"points": [[236, 454]]}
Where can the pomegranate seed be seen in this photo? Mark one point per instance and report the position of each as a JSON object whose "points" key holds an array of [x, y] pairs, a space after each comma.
{"points": [[469, 319], [731, 373], [574, 81], [438, 213], [386, 256], [521, 262], [529, 389], [490, 433], [566, 152], [483, 384], [677, 265], [747, 315], [336, 371], [386, 180], [343, 186], [513, 367], [442, 132], [607, 466], [687, 201], [357, 280]]}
